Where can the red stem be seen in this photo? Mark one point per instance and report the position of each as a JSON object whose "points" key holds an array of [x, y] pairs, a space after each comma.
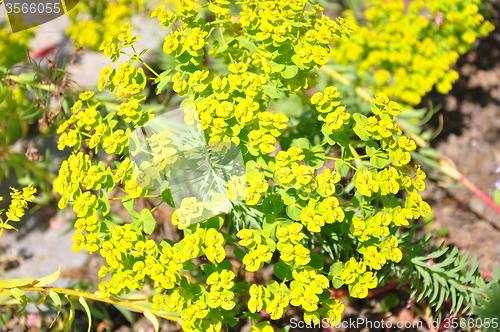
{"points": [[452, 172]]}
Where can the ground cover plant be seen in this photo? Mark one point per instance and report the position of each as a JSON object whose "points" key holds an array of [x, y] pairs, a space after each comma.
{"points": [[329, 207]]}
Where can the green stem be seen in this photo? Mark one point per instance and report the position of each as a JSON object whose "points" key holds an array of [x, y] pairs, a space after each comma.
{"points": [[356, 155], [144, 63], [224, 41], [157, 205], [124, 197], [346, 159], [319, 146]]}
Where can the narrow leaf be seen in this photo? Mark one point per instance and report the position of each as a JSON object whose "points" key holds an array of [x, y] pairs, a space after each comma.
{"points": [[152, 318], [57, 300], [71, 317], [126, 313], [48, 279], [87, 310], [453, 299], [13, 283], [42, 299], [1, 317], [20, 296]]}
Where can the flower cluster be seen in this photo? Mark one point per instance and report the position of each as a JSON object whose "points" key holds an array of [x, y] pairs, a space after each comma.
{"points": [[359, 280], [18, 205], [94, 21], [409, 48], [13, 46], [307, 290]]}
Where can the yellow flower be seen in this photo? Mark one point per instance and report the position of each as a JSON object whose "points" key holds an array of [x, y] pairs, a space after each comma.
{"points": [[267, 144], [302, 255]]}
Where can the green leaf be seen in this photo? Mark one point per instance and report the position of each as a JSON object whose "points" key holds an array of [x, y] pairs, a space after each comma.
{"points": [[282, 271], [289, 197], [149, 221], [359, 118], [272, 92], [371, 148], [106, 207], [152, 318], [272, 204], [12, 283], [27, 77], [221, 49], [316, 262], [290, 71], [135, 216], [48, 279], [141, 78], [361, 132], [391, 301], [57, 300], [269, 223], [163, 80], [239, 253], [128, 203], [315, 159], [342, 167], [271, 244], [71, 317], [208, 269], [377, 107], [453, 299], [215, 222], [224, 265], [20, 296], [248, 44], [189, 265], [337, 283], [252, 316], [304, 143], [134, 146], [276, 64], [341, 139], [297, 60], [1, 317], [273, 286], [335, 269], [166, 196], [87, 310], [456, 285], [379, 160], [293, 212], [459, 304], [285, 329], [284, 222], [435, 293]]}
